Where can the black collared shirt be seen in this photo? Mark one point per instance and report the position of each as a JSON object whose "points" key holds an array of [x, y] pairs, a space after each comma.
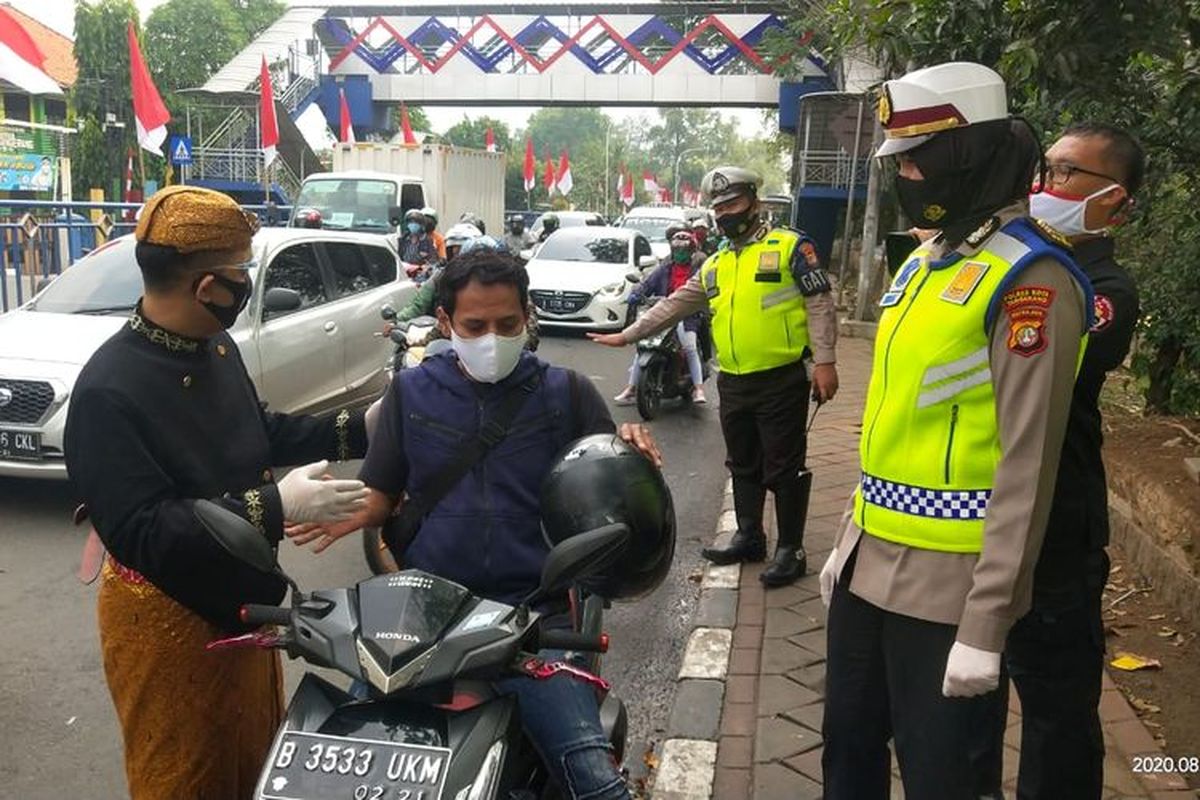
{"points": [[157, 421], [1079, 517]]}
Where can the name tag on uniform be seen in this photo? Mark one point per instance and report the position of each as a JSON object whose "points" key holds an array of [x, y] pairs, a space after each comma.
{"points": [[768, 267], [964, 283]]}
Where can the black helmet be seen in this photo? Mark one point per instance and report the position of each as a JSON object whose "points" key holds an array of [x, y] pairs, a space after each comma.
{"points": [[601, 480], [550, 222]]}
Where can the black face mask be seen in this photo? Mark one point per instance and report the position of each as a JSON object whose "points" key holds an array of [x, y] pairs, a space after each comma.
{"points": [[930, 203], [738, 224], [241, 290]]}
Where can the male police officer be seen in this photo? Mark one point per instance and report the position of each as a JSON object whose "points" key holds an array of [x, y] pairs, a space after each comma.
{"points": [[974, 364], [772, 311], [1055, 653]]}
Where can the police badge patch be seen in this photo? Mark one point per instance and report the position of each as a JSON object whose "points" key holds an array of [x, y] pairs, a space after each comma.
{"points": [[964, 283], [1027, 308], [1104, 313]]}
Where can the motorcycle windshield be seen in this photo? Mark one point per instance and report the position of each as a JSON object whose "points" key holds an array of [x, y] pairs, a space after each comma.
{"points": [[404, 613]]}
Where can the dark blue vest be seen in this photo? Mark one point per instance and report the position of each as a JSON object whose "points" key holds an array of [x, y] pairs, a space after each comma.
{"points": [[486, 532]]}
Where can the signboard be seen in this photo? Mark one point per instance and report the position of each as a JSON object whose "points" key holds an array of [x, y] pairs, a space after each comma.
{"points": [[27, 172], [179, 150]]}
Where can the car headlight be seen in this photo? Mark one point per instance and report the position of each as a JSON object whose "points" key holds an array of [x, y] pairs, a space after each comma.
{"points": [[612, 290], [488, 777]]}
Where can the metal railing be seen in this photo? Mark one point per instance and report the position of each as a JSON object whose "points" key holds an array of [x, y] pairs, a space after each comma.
{"points": [[39, 239], [830, 168]]}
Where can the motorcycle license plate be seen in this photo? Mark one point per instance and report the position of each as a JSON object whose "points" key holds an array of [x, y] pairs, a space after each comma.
{"points": [[313, 766], [20, 444]]}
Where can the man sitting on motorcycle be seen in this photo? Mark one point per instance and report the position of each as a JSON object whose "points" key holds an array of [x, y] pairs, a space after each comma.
{"points": [[417, 248], [663, 281], [485, 533]]}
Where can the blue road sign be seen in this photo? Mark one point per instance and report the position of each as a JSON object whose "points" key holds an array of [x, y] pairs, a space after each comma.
{"points": [[179, 150]]}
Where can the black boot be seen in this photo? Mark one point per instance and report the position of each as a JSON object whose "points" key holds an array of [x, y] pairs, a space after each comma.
{"points": [[750, 542], [791, 512]]}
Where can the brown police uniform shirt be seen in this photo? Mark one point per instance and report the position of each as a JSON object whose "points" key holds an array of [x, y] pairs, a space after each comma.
{"points": [[985, 594], [690, 298]]}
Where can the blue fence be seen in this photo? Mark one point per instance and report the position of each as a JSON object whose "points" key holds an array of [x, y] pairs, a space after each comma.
{"points": [[38, 239]]}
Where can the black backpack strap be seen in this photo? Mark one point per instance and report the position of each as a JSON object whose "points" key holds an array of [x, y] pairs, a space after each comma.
{"points": [[403, 528]]}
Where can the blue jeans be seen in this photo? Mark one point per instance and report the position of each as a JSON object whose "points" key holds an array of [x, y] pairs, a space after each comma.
{"points": [[561, 716], [687, 340]]}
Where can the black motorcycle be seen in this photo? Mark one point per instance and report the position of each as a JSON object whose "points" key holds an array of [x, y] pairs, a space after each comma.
{"points": [[431, 725], [663, 373]]}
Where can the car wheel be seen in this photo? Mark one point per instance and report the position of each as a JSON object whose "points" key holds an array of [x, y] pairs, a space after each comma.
{"points": [[379, 558], [649, 391]]}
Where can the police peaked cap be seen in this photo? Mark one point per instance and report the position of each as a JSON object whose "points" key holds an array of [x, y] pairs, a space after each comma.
{"points": [[915, 107]]}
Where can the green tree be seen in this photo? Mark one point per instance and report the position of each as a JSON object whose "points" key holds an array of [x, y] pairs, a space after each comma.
{"points": [[102, 54], [581, 132], [189, 40], [255, 16], [1135, 64], [473, 133]]}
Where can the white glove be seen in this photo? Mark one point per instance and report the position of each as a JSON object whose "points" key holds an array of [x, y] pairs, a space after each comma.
{"points": [[829, 577], [371, 418], [970, 671], [308, 498]]}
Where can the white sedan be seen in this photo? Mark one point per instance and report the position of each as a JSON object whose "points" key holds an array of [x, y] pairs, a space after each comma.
{"points": [[307, 335], [578, 277]]}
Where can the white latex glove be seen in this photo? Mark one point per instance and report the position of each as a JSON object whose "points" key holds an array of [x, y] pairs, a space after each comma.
{"points": [[970, 671], [829, 577], [371, 419], [308, 498]]}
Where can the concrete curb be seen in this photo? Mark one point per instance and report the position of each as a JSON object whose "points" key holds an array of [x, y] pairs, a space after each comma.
{"points": [[688, 758]]}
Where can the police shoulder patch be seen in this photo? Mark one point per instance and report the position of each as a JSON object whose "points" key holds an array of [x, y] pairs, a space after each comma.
{"points": [[809, 253], [1104, 312], [1027, 308], [1051, 234]]}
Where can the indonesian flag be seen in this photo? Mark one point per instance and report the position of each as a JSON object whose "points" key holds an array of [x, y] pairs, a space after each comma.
{"points": [[347, 134], [530, 173], [266, 117], [21, 60], [406, 127], [564, 181], [627, 194], [489, 140], [148, 109], [689, 194], [621, 181], [664, 195], [548, 175], [650, 183]]}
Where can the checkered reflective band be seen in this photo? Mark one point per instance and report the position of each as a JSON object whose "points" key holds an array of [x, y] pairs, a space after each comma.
{"points": [[922, 502]]}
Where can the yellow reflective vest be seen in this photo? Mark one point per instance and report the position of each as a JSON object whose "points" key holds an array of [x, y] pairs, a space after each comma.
{"points": [[930, 444], [759, 319]]}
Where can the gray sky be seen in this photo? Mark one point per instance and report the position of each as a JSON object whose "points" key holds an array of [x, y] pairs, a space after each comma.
{"points": [[60, 15]]}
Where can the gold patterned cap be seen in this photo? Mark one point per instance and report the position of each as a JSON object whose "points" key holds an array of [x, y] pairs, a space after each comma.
{"points": [[193, 219]]}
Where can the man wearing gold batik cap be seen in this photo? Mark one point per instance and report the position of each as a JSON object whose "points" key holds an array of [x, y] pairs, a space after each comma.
{"points": [[164, 414]]}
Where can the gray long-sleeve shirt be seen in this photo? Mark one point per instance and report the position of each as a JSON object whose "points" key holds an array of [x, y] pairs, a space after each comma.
{"points": [[984, 594]]}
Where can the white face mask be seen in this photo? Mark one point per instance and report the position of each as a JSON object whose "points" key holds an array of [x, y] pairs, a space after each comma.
{"points": [[1066, 213], [489, 358]]}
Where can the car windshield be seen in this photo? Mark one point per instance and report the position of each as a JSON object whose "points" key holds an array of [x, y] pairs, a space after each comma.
{"points": [[350, 203], [601, 250], [654, 228], [106, 282]]}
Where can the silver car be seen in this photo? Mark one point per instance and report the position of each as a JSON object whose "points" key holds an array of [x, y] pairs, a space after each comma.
{"points": [[306, 336]]}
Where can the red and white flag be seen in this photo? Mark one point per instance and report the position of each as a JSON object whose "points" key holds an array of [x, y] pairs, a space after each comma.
{"points": [[406, 127], [489, 140], [21, 60], [650, 183], [548, 175], [267, 123], [530, 173], [347, 133], [621, 181], [148, 110], [627, 193], [564, 182], [664, 195]]}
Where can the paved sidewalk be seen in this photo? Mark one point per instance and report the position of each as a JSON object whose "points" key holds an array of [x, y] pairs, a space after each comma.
{"points": [[768, 742]]}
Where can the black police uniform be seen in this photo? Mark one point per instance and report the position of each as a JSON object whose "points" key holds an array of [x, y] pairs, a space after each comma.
{"points": [[1055, 653]]}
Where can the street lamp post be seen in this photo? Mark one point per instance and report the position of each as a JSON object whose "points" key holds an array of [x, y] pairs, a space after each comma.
{"points": [[679, 158]]}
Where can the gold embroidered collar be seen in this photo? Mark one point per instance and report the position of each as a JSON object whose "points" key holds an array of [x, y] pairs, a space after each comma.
{"points": [[162, 337]]}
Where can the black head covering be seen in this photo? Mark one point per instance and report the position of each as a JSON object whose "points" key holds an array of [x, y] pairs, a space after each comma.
{"points": [[970, 173]]}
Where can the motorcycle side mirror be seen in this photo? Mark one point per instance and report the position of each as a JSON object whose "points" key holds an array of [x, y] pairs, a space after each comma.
{"points": [[582, 555], [425, 321], [236, 534], [633, 277], [387, 311], [395, 215]]}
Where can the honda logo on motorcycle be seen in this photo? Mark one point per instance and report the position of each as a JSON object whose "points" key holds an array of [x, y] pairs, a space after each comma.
{"points": [[399, 637], [6, 396]]}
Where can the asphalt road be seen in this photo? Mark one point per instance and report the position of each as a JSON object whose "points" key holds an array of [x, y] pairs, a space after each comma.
{"points": [[58, 732]]}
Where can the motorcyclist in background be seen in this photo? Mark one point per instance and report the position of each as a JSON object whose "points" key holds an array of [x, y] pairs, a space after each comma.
{"points": [[517, 239], [417, 247], [431, 223], [663, 281], [549, 226]]}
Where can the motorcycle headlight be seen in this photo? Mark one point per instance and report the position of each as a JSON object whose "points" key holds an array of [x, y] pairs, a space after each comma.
{"points": [[488, 777], [612, 290]]}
